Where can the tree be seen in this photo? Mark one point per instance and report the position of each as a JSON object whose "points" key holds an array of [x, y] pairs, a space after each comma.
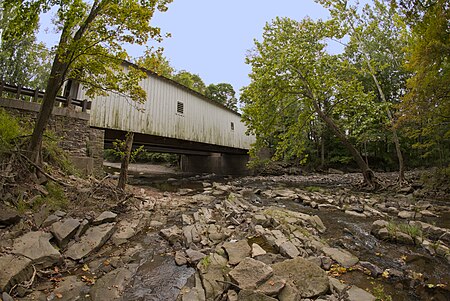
{"points": [[294, 79], [190, 80], [376, 45], [91, 49], [425, 109], [23, 61], [127, 147], [224, 94], [156, 62]]}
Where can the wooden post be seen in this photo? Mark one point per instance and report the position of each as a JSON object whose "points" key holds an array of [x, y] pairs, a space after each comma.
{"points": [[85, 103], [36, 95], [19, 91], [68, 102], [2, 87]]}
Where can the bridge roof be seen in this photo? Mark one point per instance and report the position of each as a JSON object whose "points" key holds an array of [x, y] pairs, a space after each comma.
{"points": [[173, 82]]}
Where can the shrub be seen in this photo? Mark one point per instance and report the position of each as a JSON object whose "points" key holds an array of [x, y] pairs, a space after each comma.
{"points": [[10, 130]]}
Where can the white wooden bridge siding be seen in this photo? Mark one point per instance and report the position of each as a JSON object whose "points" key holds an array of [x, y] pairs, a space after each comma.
{"points": [[202, 120]]}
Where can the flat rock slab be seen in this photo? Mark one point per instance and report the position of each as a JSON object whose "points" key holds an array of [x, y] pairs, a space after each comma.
{"points": [[342, 257], [354, 293], [36, 246], [71, 288], [110, 286], [105, 217], [250, 273], [8, 216], [248, 295], [237, 251], [212, 273], [307, 278], [194, 256], [125, 230], [64, 230], [14, 270], [92, 240]]}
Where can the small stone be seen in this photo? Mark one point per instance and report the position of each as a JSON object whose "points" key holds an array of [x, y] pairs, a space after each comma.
{"points": [[375, 271], [288, 249], [7, 297], [64, 230], [377, 225], [257, 250], [342, 257], [180, 258], [404, 238], [105, 217], [355, 214], [194, 256], [84, 226], [357, 294], [51, 219], [237, 251]]}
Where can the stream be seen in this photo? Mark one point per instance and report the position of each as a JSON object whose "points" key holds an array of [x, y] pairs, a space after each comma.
{"points": [[428, 277]]}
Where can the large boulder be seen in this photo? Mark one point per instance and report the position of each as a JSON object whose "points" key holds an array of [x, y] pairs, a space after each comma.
{"points": [[14, 270], [8, 216], [92, 240], [212, 272], [250, 273], [303, 278], [110, 286], [36, 246]]}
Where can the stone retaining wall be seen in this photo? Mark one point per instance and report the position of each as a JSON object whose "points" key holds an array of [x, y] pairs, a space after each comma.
{"points": [[83, 143]]}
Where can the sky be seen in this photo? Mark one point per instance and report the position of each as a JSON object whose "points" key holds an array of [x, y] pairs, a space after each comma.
{"points": [[211, 37]]}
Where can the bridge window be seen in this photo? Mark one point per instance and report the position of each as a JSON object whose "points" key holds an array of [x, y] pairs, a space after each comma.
{"points": [[232, 126], [180, 107]]}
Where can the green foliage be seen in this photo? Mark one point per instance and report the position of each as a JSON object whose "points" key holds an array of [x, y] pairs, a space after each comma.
{"points": [[139, 155], [156, 62], [190, 80], [10, 130], [412, 230], [294, 83], [380, 295], [55, 200], [53, 153], [426, 106], [222, 93]]}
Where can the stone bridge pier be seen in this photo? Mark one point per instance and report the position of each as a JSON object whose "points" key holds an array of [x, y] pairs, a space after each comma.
{"points": [[218, 163]]}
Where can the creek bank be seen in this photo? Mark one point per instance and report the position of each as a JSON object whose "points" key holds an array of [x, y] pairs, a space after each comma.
{"points": [[247, 239]]}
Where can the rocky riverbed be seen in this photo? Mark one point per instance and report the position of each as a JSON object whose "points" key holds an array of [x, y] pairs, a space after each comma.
{"points": [[253, 238]]}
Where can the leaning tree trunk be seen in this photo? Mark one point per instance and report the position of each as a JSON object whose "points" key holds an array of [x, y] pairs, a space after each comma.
{"points": [[51, 91], [368, 174], [123, 178]]}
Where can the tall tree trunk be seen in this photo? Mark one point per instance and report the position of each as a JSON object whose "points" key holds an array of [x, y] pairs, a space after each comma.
{"points": [[401, 164], [123, 178], [51, 91], [368, 174]]}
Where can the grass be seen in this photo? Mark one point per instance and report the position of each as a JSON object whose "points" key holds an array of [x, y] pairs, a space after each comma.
{"points": [[412, 230], [380, 295], [312, 188]]}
